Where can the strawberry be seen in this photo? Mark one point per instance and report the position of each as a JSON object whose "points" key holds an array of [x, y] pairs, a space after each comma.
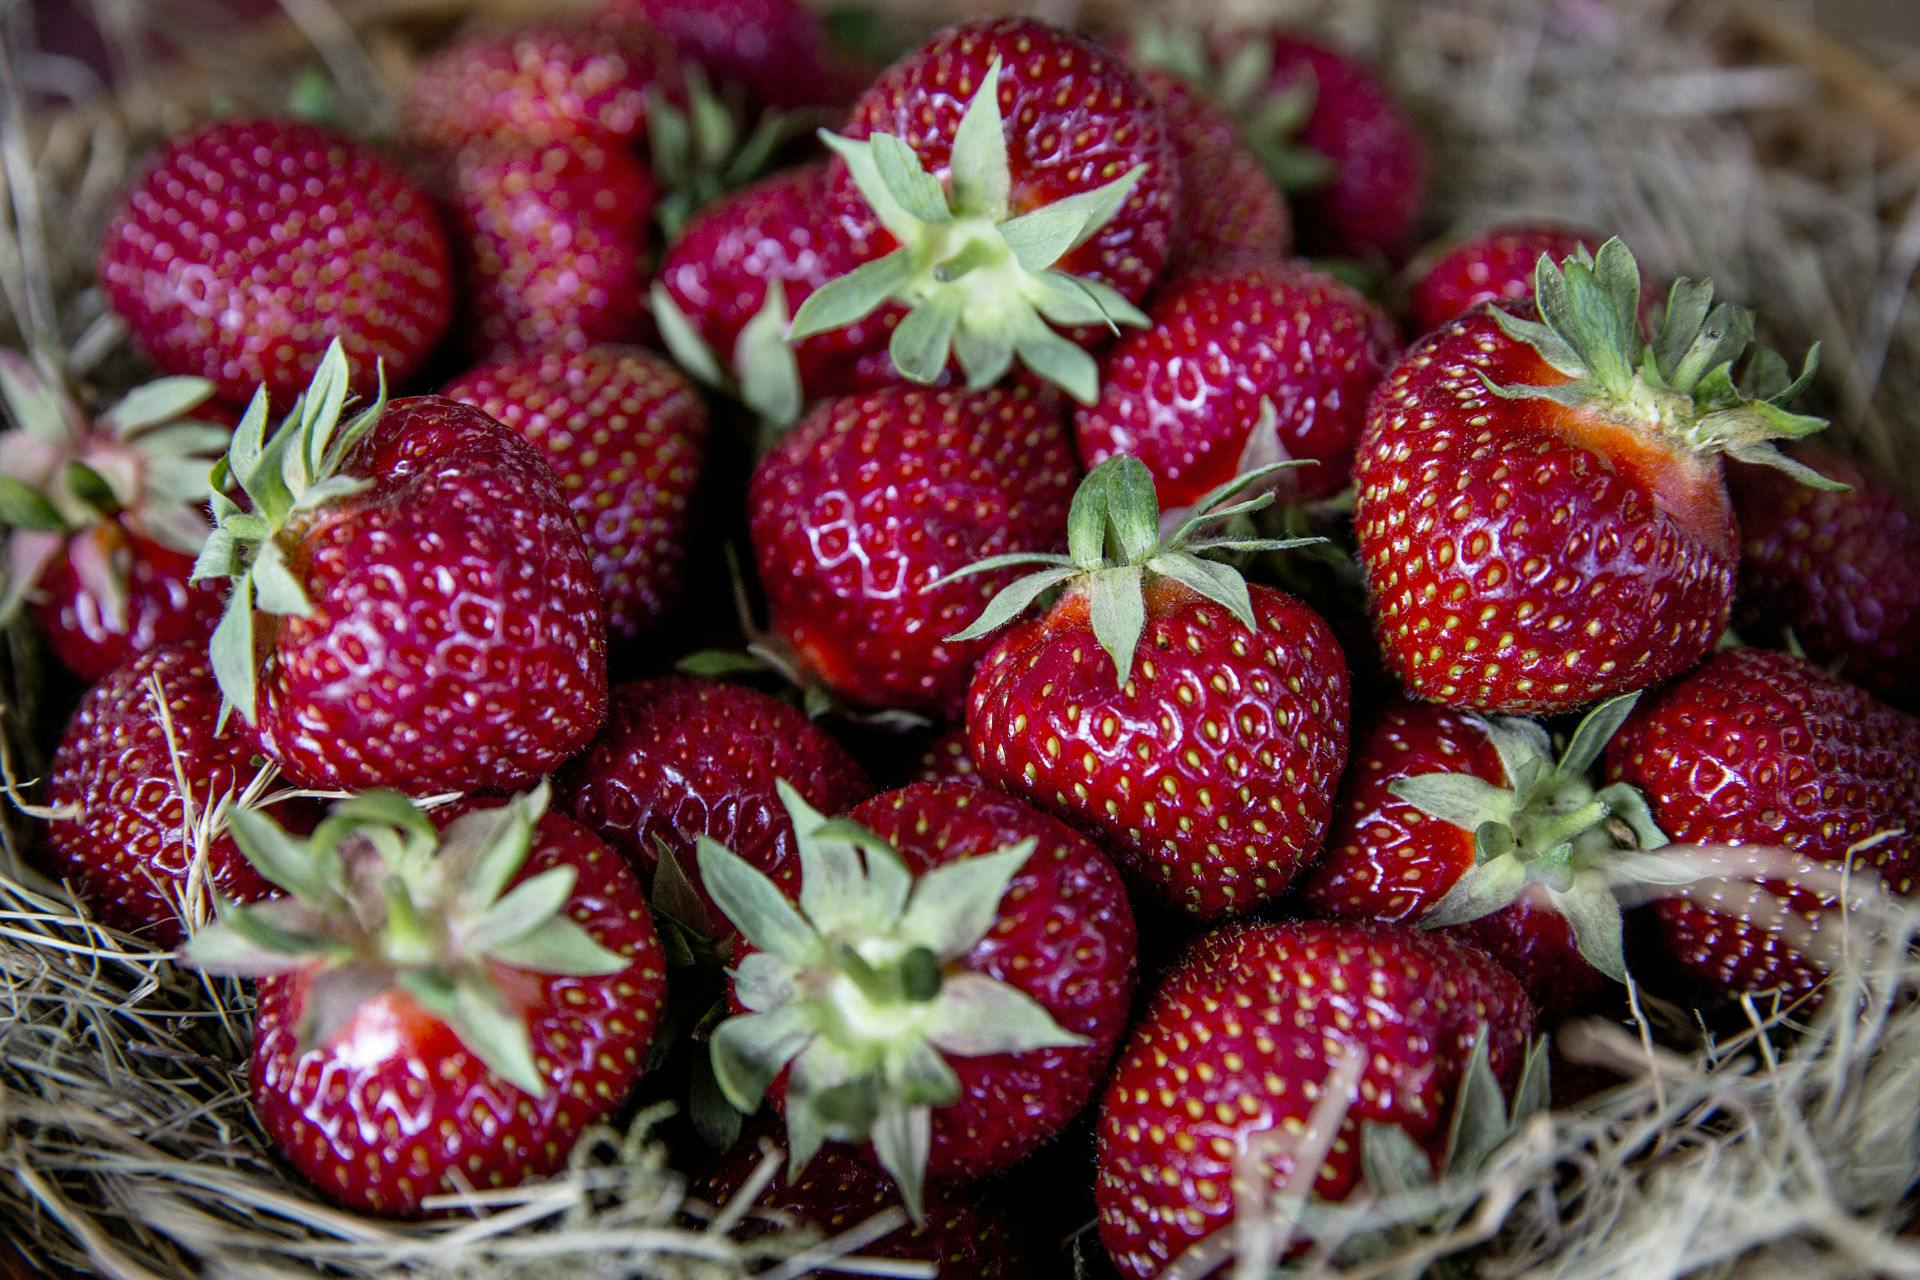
{"points": [[1837, 571], [1193, 722], [774, 50], [946, 759], [1230, 211], [1494, 265], [949, 988], [682, 758], [248, 244], [1759, 748], [625, 436], [862, 506], [1241, 366], [486, 975], [1258, 1033], [591, 75], [1007, 177], [412, 606], [551, 237], [1471, 825], [1541, 511], [142, 783], [104, 515]]}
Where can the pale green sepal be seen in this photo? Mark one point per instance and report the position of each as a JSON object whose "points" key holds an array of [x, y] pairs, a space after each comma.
{"points": [[1480, 1123], [24, 507], [245, 942], [1460, 799], [1117, 608], [902, 1139], [283, 859], [35, 406], [763, 982], [767, 369], [1594, 731], [953, 905], [749, 1050], [1392, 1163], [275, 589], [912, 187], [522, 909], [559, 947], [1766, 455], [1593, 913], [495, 1034], [864, 168], [1011, 601], [231, 653], [839, 303], [1218, 582], [1054, 359], [977, 164], [1481, 890], [976, 1015], [923, 340], [758, 909], [683, 342], [160, 401]]}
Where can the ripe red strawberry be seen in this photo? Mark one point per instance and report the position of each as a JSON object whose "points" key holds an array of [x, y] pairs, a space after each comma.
{"points": [[128, 838], [682, 757], [412, 604], [551, 237], [966, 1234], [625, 435], [1258, 1029], [946, 759], [1838, 571], [592, 75], [950, 988], [103, 515], [1006, 178], [1541, 510], [866, 502], [1472, 826], [446, 1001], [1230, 211], [1495, 265], [248, 244], [774, 50], [1242, 366], [1766, 749]]}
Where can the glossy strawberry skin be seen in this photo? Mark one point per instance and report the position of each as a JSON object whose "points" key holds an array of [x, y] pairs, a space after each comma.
{"points": [[1077, 119], [1840, 572], [125, 849], [1183, 394], [162, 606], [1527, 558], [947, 759], [1230, 211], [625, 435], [551, 238], [1766, 749], [394, 1108], [1210, 775], [719, 269], [1387, 861], [248, 244], [1239, 1040], [456, 641], [683, 757], [872, 497], [564, 78], [1495, 265]]}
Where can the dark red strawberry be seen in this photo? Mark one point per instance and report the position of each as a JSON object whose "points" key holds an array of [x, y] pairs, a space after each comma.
{"points": [[103, 514], [946, 759], [870, 499], [248, 244], [141, 852], [551, 238], [1541, 511], [625, 435], [592, 75], [446, 1001], [1837, 571], [972, 1234], [1765, 749], [1193, 722], [1007, 180], [1271, 1045], [682, 757], [1473, 826], [774, 50], [1242, 366], [412, 604], [1230, 211], [950, 988], [1495, 265]]}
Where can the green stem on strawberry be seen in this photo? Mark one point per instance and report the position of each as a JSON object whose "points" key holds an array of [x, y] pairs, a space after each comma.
{"points": [[980, 280], [855, 991], [701, 151], [762, 372]]}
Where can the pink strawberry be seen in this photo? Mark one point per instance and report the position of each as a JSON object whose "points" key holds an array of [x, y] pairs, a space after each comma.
{"points": [[1494, 265], [446, 1000], [625, 435], [1238, 367], [1230, 211], [248, 244]]}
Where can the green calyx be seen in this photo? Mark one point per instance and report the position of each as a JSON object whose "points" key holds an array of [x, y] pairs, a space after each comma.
{"points": [[702, 150], [761, 372], [377, 899], [296, 471], [1116, 549], [1682, 385], [980, 281], [1548, 829], [142, 465], [858, 990]]}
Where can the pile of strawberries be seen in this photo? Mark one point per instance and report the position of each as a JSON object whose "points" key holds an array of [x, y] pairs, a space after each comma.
{"points": [[1344, 672]]}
